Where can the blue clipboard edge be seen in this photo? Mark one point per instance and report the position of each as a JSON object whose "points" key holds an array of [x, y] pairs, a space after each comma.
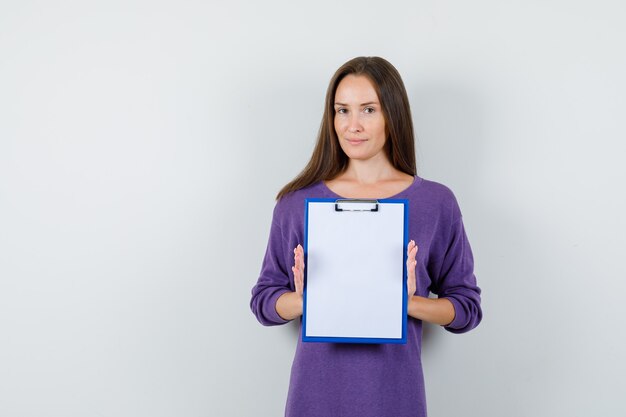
{"points": [[370, 340]]}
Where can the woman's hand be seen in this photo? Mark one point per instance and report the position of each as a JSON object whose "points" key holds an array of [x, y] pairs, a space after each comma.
{"points": [[298, 269], [411, 281], [289, 305], [434, 310]]}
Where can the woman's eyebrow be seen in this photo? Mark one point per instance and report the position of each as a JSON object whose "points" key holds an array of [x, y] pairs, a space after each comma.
{"points": [[362, 104]]}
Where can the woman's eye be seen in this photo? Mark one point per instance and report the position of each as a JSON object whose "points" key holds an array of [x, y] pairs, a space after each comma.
{"points": [[368, 110], [341, 111]]}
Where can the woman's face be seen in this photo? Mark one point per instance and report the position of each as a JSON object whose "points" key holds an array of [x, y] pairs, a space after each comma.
{"points": [[359, 120]]}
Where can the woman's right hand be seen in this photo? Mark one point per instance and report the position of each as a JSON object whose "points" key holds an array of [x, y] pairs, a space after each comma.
{"points": [[289, 305], [298, 269]]}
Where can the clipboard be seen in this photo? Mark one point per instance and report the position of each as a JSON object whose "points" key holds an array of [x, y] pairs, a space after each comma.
{"points": [[355, 287]]}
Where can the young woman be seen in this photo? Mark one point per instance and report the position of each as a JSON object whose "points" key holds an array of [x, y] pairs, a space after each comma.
{"points": [[365, 149]]}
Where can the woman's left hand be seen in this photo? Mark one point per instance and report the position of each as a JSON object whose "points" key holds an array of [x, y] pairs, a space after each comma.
{"points": [[411, 281]]}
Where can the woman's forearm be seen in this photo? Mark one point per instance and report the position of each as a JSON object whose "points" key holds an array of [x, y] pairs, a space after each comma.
{"points": [[433, 310], [289, 305]]}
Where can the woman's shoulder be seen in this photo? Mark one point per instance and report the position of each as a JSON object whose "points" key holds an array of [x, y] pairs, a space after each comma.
{"points": [[294, 201], [435, 189], [436, 195]]}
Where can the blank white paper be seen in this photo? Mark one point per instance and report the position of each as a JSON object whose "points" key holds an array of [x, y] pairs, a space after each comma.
{"points": [[354, 269]]}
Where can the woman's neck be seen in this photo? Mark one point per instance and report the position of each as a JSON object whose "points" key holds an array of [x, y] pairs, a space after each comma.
{"points": [[370, 171], [365, 182]]}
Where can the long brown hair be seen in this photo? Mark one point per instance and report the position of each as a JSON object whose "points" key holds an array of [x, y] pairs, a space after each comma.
{"points": [[328, 159]]}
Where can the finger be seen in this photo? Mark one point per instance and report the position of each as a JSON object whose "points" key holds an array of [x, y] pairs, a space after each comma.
{"points": [[297, 284], [296, 258], [410, 247], [301, 257], [299, 279], [410, 266], [411, 271]]}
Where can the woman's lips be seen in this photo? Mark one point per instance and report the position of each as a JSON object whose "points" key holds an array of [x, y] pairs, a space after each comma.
{"points": [[355, 141]]}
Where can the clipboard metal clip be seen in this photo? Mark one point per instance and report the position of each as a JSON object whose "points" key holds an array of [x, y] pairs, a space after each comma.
{"points": [[353, 204]]}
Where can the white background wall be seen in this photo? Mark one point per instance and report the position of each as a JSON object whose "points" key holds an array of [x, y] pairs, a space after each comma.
{"points": [[142, 143]]}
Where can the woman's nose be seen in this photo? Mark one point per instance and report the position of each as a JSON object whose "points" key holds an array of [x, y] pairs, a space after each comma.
{"points": [[355, 125]]}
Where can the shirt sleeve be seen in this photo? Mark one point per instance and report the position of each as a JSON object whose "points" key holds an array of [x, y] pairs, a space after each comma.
{"points": [[274, 279], [457, 281]]}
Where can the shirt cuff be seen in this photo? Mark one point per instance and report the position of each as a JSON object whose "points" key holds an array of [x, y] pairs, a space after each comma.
{"points": [[271, 312], [460, 317]]}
